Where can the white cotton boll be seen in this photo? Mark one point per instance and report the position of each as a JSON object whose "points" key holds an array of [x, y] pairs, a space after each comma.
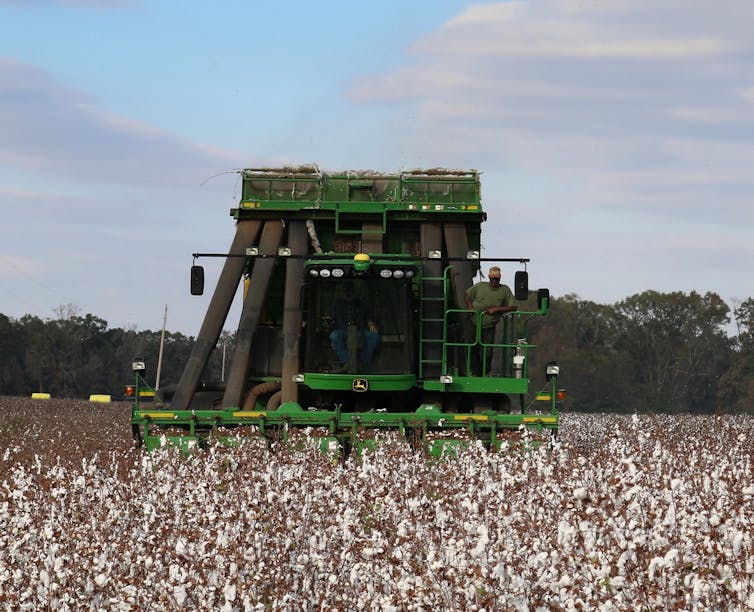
{"points": [[229, 591], [101, 580], [580, 493], [355, 576], [748, 491], [482, 543], [671, 556], [174, 572], [699, 587], [737, 541], [655, 563], [179, 595], [675, 483], [714, 520], [180, 547], [669, 517]]}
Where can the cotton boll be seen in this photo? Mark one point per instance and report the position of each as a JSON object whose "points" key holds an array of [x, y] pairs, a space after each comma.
{"points": [[180, 595], [229, 591], [180, 547]]}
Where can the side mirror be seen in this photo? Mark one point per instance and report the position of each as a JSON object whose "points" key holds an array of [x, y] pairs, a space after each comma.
{"points": [[197, 280], [521, 284], [542, 294]]}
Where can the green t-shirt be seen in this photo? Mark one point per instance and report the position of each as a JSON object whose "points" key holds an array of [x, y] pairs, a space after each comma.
{"points": [[484, 296]]}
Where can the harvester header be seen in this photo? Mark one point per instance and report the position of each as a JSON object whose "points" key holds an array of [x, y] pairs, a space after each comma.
{"points": [[356, 318]]}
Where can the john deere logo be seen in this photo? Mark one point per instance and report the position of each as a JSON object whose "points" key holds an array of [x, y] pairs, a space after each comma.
{"points": [[360, 384]]}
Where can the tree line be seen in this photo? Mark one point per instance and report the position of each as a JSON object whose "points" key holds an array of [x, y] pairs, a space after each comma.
{"points": [[660, 352]]}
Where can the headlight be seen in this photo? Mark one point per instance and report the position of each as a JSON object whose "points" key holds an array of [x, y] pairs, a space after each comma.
{"points": [[314, 272], [385, 273], [398, 274], [324, 273], [337, 272]]}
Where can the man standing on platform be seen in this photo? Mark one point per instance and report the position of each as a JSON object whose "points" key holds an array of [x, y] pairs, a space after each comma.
{"points": [[492, 299]]}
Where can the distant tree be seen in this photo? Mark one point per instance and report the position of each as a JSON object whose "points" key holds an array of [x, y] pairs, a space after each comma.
{"points": [[736, 387], [12, 356], [677, 346], [37, 361], [581, 336]]}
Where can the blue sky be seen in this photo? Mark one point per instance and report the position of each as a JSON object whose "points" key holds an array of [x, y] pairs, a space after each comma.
{"points": [[616, 139]]}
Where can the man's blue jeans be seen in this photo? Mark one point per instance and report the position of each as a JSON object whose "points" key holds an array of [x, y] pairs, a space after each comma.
{"points": [[367, 345]]}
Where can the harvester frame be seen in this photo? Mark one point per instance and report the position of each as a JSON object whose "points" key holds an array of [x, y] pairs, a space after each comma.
{"points": [[410, 243]]}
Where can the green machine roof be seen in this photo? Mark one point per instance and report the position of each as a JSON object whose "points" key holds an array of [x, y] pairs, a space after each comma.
{"points": [[306, 188]]}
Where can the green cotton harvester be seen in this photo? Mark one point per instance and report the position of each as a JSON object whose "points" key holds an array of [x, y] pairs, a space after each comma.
{"points": [[405, 247]]}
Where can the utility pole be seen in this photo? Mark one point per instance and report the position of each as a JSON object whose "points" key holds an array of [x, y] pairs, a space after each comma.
{"points": [[162, 344]]}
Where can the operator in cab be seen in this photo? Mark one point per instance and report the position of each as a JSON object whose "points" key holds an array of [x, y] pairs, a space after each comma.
{"points": [[348, 310]]}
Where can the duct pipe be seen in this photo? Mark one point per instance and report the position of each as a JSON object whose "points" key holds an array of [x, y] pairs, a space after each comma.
{"points": [[252, 308], [217, 312], [294, 279]]}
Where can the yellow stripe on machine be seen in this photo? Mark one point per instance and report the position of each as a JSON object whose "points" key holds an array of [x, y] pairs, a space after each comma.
{"points": [[97, 397], [541, 419], [471, 417], [249, 414], [157, 415], [40, 396]]}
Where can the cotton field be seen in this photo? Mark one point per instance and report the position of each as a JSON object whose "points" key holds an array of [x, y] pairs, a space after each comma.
{"points": [[624, 513]]}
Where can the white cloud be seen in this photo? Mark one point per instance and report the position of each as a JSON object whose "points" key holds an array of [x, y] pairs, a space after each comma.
{"points": [[52, 128], [637, 116], [557, 29], [12, 265]]}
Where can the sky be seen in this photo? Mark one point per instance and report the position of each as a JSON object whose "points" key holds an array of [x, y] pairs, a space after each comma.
{"points": [[615, 137]]}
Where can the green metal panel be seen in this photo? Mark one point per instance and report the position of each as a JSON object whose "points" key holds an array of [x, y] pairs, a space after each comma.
{"points": [[305, 188], [360, 383]]}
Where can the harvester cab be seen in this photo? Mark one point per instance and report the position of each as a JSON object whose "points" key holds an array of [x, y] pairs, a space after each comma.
{"points": [[354, 319]]}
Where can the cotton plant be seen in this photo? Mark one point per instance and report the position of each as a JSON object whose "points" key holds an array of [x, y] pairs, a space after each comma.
{"points": [[624, 512]]}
